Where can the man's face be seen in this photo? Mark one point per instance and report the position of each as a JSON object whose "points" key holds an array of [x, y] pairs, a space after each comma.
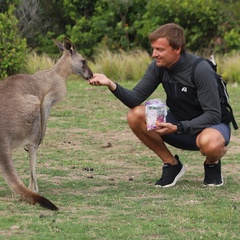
{"points": [[163, 53]]}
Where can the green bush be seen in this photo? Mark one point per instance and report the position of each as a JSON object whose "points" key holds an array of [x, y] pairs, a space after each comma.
{"points": [[199, 19], [110, 24], [82, 35], [231, 39], [12, 46]]}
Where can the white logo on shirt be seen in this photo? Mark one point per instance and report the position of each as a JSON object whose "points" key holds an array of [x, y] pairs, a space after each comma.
{"points": [[184, 89]]}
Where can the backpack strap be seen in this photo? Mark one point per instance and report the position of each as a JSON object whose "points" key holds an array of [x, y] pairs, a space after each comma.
{"points": [[196, 62], [234, 123]]}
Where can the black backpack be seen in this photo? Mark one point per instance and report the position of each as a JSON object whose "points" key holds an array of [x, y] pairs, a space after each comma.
{"points": [[227, 112]]}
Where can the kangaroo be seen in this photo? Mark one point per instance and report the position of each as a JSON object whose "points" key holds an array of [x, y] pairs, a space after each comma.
{"points": [[25, 104]]}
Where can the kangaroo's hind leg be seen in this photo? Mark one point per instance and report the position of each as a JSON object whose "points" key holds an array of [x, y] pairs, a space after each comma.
{"points": [[32, 150]]}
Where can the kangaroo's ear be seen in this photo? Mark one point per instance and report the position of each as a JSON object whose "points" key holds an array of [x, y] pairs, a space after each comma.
{"points": [[59, 45], [69, 46]]}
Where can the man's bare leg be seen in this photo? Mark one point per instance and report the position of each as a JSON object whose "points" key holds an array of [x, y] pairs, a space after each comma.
{"points": [[137, 122], [211, 144], [172, 167]]}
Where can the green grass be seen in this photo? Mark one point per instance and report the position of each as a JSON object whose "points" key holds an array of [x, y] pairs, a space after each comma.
{"points": [[117, 200]]}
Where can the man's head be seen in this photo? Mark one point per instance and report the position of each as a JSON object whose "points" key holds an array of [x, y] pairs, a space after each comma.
{"points": [[168, 43]]}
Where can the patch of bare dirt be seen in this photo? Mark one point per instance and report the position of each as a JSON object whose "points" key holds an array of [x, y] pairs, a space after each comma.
{"points": [[234, 147]]}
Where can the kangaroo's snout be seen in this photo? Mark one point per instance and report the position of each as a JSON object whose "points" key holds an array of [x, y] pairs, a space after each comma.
{"points": [[86, 72], [90, 75]]}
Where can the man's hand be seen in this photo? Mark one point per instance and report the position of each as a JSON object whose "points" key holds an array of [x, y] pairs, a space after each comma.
{"points": [[102, 80], [165, 128]]}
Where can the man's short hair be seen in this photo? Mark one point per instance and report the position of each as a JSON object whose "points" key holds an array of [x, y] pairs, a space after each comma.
{"points": [[174, 33]]}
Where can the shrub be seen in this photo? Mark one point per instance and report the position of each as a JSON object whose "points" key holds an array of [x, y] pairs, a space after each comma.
{"points": [[199, 19], [12, 46]]}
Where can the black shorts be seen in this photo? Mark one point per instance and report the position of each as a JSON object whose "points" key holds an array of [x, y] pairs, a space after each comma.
{"points": [[188, 141]]}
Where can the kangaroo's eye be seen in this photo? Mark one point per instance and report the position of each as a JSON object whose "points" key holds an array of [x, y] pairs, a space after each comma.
{"points": [[83, 62]]}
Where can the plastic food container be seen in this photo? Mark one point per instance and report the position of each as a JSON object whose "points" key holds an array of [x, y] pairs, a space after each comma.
{"points": [[156, 111]]}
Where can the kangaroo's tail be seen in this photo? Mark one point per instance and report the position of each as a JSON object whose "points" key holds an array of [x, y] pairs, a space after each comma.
{"points": [[15, 183], [34, 198]]}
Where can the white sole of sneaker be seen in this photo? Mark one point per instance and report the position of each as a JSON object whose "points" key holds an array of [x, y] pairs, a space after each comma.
{"points": [[213, 185], [180, 174]]}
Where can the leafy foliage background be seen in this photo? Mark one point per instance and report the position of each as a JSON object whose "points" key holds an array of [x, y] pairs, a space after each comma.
{"points": [[210, 25]]}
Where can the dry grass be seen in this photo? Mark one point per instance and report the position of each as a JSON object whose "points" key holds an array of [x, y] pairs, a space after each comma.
{"points": [[35, 62], [228, 67], [121, 66], [130, 66]]}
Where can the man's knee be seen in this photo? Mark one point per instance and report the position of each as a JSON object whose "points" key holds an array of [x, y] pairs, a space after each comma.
{"points": [[210, 142], [136, 114]]}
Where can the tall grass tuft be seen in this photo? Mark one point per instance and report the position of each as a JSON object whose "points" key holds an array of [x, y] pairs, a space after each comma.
{"points": [[121, 66], [228, 67], [130, 66], [35, 62]]}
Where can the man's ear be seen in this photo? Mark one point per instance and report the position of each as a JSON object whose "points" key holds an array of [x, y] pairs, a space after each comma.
{"points": [[179, 50]]}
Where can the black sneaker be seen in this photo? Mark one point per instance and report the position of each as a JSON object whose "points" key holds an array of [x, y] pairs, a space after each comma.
{"points": [[170, 174], [213, 176]]}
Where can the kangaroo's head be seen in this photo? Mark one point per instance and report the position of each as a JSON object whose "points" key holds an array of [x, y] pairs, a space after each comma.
{"points": [[78, 63]]}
